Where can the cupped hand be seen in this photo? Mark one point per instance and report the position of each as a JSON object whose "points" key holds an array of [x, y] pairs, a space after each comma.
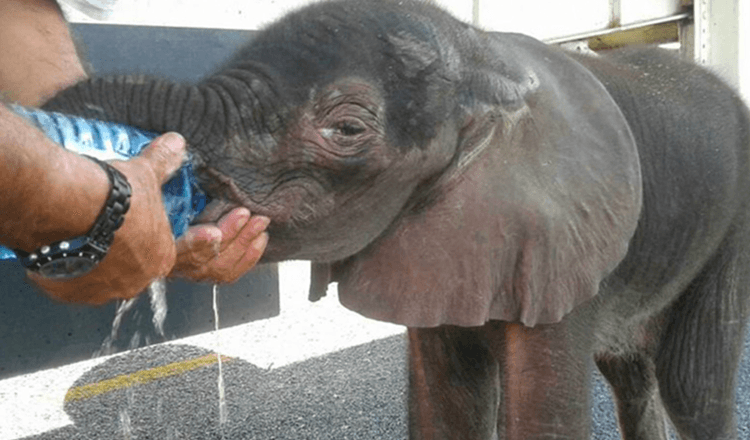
{"points": [[222, 252], [144, 248]]}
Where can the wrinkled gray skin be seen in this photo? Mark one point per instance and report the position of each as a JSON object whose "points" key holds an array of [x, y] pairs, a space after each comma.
{"points": [[522, 210]]}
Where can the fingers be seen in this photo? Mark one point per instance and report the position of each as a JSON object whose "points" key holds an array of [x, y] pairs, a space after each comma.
{"points": [[240, 253], [251, 256], [232, 224], [165, 155], [199, 244], [238, 240], [244, 251], [222, 252]]}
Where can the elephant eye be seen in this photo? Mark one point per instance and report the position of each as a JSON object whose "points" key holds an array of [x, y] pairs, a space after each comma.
{"points": [[349, 127]]}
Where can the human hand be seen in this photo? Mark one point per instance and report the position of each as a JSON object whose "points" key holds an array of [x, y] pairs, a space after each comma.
{"points": [[224, 251], [144, 247]]}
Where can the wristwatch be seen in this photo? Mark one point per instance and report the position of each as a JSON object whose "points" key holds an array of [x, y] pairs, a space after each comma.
{"points": [[79, 255]]}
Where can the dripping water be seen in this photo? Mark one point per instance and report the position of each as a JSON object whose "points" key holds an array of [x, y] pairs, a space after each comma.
{"points": [[223, 414], [157, 297], [122, 308], [127, 433], [157, 292]]}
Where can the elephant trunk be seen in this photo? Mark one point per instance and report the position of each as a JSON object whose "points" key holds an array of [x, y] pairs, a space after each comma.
{"points": [[235, 104], [134, 100]]}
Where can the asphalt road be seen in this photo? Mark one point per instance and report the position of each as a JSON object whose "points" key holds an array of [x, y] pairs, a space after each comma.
{"points": [[356, 393], [317, 371]]}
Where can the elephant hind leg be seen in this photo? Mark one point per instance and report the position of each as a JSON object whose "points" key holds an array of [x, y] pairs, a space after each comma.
{"points": [[700, 349], [640, 413]]}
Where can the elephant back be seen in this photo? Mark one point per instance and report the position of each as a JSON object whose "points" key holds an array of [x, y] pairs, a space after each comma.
{"points": [[692, 132]]}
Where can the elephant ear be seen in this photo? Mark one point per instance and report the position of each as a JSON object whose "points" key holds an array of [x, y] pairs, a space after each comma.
{"points": [[536, 209]]}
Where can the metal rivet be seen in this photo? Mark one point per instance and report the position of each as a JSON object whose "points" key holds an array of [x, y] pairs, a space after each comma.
{"points": [[44, 250], [64, 245]]}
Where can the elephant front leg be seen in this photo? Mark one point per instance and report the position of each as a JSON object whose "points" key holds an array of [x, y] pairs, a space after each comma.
{"points": [[502, 380], [545, 379], [454, 387]]}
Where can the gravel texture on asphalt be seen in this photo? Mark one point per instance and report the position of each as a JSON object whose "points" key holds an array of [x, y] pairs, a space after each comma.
{"points": [[357, 393]]}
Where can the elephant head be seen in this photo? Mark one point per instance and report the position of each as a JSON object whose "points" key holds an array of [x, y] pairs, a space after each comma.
{"points": [[440, 174]]}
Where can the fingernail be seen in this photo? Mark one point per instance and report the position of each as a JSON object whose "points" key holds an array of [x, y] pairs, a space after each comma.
{"points": [[174, 141], [262, 222], [259, 244], [243, 212], [242, 221]]}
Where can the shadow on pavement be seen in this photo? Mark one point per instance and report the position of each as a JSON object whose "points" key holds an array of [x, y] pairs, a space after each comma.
{"points": [[171, 392]]}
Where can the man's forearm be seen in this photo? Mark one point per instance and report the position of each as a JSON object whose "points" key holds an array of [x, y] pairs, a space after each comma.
{"points": [[38, 57], [48, 193]]}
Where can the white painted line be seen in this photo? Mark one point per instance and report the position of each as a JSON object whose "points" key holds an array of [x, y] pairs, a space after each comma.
{"points": [[32, 404], [302, 331]]}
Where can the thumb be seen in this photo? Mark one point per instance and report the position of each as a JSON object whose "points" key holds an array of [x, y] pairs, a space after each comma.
{"points": [[165, 154]]}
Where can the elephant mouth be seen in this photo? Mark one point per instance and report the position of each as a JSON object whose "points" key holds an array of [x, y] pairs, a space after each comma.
{"points": [[226, 196], [216, 209]]}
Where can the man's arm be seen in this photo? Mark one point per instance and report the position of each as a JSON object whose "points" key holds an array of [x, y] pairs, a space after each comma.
{"points": [[37, 177], [48, 193], [37, 55]]}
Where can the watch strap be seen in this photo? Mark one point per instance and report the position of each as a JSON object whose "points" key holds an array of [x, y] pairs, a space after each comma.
{"points": [[95, 244], [113, 213]]}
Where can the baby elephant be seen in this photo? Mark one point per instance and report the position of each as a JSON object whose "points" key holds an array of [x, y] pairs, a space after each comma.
{"points": [[522, 210]]}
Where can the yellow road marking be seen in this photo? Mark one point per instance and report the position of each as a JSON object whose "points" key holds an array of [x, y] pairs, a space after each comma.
{"points": [[140, 377]]}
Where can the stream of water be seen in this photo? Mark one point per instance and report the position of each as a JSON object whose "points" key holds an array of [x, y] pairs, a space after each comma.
{"points": [[223, 414], [158, 300], [157, 292]]}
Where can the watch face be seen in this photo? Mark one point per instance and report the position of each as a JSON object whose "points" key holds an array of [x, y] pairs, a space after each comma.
{"points": [[68, 267]]}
